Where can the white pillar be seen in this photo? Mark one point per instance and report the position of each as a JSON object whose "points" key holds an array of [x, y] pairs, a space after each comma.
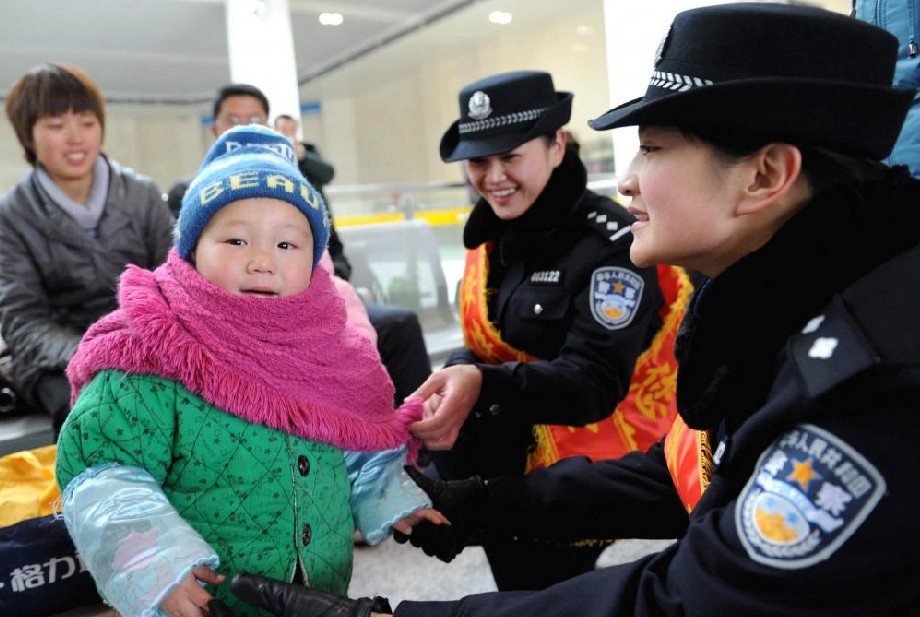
{"points": [[634, 31], [261, 52]]}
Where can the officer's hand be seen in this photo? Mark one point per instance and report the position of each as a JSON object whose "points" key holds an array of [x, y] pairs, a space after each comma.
{"points": [[449, 395], [453, 498], [456, 499], [442, 541], [288, 600]]}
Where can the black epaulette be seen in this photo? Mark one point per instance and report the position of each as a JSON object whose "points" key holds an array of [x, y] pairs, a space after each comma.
{"points": [[830, 349], [608, 219]]}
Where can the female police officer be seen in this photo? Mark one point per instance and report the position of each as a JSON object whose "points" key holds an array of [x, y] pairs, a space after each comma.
{"points": [[554, 314], [760, 133]]}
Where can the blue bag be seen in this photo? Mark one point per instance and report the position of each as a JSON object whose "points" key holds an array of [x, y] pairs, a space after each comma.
{"points": [[40, 571]]}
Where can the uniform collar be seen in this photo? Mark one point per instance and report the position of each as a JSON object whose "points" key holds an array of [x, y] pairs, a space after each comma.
{"points": [[740, 320]]}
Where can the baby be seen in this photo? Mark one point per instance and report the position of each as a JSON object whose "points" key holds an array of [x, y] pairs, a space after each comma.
{"points": [[227, 417]]}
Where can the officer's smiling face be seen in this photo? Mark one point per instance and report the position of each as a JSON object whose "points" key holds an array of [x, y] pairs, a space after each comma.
{"points": [[685, 202], [511, 182]]}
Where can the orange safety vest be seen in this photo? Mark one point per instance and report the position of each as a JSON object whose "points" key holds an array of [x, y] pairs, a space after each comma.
{"points": [[640, 419]]}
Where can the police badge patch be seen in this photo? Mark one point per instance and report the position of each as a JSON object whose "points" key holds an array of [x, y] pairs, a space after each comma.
{"points": [[615, 296], [808, 494]]}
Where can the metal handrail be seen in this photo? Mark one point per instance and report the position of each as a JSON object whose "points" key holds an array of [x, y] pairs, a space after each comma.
{"points": [[595, 181], [403, 191], [396, 187]]}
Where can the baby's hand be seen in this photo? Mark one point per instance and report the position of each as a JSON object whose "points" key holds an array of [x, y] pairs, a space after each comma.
{"points": [[189, 599], [405, 525]]}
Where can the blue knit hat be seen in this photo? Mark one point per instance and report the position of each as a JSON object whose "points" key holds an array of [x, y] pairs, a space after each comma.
{"points": [[249, 161]]}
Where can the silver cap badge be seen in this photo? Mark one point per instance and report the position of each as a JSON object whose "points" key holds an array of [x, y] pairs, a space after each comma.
{"points": [[479, 105], [659, 53]]}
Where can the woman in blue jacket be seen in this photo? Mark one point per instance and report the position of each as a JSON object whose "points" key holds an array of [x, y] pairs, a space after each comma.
{"points": [[902, 19]]}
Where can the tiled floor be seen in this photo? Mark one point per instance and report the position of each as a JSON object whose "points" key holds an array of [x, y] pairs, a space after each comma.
{"points": [[401, 572]]}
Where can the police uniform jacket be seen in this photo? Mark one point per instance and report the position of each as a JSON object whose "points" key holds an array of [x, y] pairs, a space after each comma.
{"points": [[547, 272], [803, 358]]}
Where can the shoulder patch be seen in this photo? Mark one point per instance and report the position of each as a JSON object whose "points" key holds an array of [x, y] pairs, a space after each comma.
{"points": [[809, 493], [609, 219], [615, 296], [830, 349]]}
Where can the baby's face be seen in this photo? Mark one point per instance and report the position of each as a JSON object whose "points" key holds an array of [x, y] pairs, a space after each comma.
{"points": [[257, 247]]}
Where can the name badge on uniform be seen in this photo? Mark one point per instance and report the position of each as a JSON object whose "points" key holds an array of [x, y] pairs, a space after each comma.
{"points": [[546, 277], [809, 493], [615, 296]]}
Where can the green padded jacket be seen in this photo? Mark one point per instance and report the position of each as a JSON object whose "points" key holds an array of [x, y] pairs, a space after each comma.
{"points": [[263, 499]]}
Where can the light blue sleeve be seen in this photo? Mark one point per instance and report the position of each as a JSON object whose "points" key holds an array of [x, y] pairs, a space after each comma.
{"points": [[133, 541], [381, 492]]}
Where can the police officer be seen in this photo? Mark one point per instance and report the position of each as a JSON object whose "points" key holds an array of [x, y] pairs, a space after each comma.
{"points": [[554, 314], [760, 136]]}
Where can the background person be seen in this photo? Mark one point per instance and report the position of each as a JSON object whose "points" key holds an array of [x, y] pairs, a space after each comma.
{"points": [[319, 173], [554, 315], [227, 410], [902, 19], [234, 105], [67, 230], [756, 176]]}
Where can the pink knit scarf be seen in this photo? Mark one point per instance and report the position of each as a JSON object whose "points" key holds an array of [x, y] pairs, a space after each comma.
{"points": [[291, 363]]}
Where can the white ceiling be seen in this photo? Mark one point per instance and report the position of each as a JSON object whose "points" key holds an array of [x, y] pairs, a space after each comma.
{"points": [[176, 50]]}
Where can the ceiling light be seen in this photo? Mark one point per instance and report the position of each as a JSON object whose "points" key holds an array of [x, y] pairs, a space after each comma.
{"points": [[500, 17], [331, 19]]}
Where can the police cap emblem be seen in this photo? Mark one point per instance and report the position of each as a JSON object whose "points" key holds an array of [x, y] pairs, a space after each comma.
{"points": [[659, 53], [479, 105]]}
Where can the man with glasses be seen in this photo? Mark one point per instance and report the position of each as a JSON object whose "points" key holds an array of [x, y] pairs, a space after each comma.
{"points": [[234, 104]]}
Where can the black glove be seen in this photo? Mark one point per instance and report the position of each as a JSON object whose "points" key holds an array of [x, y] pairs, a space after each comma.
{"points": [[442, 541], [457, 500], [453, 498], [289, 600]]}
